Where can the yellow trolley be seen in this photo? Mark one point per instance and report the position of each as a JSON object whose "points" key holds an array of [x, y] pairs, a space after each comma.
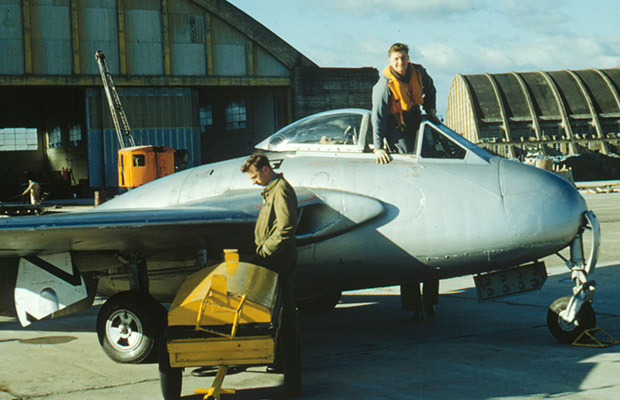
{"points": [[223, 316]]}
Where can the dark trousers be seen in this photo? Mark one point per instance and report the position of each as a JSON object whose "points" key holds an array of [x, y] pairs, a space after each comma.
{"points": [[404, 141], [289, 325], [411, 298]]}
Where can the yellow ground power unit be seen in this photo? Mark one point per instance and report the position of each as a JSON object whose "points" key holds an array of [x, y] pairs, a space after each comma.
{"points": [[226, 315]]}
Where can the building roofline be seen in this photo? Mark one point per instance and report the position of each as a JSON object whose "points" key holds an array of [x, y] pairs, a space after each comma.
{"points": [[269, 41]]}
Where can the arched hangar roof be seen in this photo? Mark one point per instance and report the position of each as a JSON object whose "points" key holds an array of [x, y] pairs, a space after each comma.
{"points": [[536, 106]]}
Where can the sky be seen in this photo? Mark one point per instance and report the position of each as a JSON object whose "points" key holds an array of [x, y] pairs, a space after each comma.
{"points": [[448, 37]]}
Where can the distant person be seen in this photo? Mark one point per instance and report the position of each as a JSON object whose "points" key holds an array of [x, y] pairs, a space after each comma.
{"points": [[35, 192], [396, 99], [274, 236], [413, 300]]}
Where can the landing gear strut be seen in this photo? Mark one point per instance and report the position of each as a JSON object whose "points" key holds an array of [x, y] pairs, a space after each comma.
{"points": [[130, 323], [569, 316]]}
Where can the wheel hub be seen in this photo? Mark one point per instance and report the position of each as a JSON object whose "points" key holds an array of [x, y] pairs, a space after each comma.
{"points": [[124, 330], [567, 326]]}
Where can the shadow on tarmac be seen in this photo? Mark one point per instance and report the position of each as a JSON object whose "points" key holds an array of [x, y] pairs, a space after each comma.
{"points": [[495, 349], [369, 346]]}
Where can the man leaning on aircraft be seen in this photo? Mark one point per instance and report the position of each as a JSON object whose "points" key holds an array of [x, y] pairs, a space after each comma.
{"points": [[396, 101]]}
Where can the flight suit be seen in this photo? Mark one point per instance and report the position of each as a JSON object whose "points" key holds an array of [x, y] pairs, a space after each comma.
{"points": [[274, 233], [400, 137], [274, 236]]}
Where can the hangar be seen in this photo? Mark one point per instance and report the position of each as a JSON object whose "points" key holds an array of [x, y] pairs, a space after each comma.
{"points": [[538, 113], [199, 75]]}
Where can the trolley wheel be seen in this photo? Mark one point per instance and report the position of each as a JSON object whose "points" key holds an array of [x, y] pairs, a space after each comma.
{"points": [[170, 379]]}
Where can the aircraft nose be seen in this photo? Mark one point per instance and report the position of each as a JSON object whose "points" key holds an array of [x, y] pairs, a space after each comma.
{"points": [[541, 207]]}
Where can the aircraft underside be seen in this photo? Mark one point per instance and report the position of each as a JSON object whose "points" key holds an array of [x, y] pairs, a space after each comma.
{"points": [[130, 320]]}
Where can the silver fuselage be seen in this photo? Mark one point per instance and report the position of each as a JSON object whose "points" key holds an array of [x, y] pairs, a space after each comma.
{"points": [[410, 217]]}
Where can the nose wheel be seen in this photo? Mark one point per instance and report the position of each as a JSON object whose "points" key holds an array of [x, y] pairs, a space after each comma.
{"points": [[567, 332], [570, 316]]}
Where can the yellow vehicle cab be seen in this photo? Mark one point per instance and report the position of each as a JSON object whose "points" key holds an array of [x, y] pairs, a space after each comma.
{"points": [[138, 165]]}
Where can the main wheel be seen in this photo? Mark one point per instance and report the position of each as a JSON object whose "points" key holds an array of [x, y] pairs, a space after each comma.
{"points": [[170, 379], [129, 326], [319, 304], [563, 331]]}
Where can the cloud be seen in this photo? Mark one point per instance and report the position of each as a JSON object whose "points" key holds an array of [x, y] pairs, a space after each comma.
{"points": [[404, 9], [534, 16], [545, 53]]}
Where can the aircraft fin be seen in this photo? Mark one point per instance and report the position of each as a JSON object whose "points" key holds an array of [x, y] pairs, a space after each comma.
{"points": [[46, 284]]}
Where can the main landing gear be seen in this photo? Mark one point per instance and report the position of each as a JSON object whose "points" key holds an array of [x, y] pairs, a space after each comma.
{"points": [[130, 323], [569, 316]]}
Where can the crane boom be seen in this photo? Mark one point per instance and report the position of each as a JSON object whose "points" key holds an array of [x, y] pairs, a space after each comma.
{"points": [[121, 125]]}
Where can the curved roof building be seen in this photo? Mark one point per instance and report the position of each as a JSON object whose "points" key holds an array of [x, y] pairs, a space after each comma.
{"points": [[549, 113]]}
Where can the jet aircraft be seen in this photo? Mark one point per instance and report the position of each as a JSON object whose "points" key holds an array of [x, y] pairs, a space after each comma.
{"points": [[448, 209]]}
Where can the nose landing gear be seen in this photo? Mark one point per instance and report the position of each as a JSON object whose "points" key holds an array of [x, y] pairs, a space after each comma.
{"points": [[568, 317]]}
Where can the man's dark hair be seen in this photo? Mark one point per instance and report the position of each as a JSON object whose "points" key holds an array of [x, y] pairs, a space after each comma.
{"points": [[398, 47], [257, 160]]}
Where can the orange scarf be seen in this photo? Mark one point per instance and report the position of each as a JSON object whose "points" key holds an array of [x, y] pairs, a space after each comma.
{"points": [[404, 95]]}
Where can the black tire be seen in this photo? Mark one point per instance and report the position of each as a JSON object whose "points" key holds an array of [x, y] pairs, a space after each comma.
{"points": [[170, 379], [320, 304], [567, 333], [129, 326]]}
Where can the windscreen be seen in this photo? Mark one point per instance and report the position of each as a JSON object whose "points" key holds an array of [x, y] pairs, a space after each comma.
{"points": [[437, 145]]}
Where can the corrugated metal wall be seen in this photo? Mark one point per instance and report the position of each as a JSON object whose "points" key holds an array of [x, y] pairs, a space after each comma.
{"points": [[460, 109], [60, 37], [159, 116], [143, 35], [267, 65], [229, 50], [11, 32], [51, 37], [187, 39], [99, 31]]}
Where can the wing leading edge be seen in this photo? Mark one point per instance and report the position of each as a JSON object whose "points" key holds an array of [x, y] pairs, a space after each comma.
{"points": [[225, 221]]}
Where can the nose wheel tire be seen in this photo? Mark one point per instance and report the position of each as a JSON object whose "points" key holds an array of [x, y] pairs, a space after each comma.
{"points": [[128, 327], [566, 332]]}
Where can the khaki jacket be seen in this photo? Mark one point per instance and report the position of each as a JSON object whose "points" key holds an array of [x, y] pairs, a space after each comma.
{"points": [[277, 221]]}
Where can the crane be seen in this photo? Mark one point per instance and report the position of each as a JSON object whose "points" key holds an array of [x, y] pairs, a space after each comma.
{"points": [[121, 125], [137, 165]]}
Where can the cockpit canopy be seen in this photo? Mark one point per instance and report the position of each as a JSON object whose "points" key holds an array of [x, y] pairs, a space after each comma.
{"points": [[328, 131], [350, 130]]}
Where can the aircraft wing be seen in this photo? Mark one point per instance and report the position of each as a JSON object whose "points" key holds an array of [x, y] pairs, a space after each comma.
{"points": [[120, 230], [224, 221], [221, 220]]}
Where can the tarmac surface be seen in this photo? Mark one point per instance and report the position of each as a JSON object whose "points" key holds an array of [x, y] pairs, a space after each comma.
{"points": [[367, 347]]}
